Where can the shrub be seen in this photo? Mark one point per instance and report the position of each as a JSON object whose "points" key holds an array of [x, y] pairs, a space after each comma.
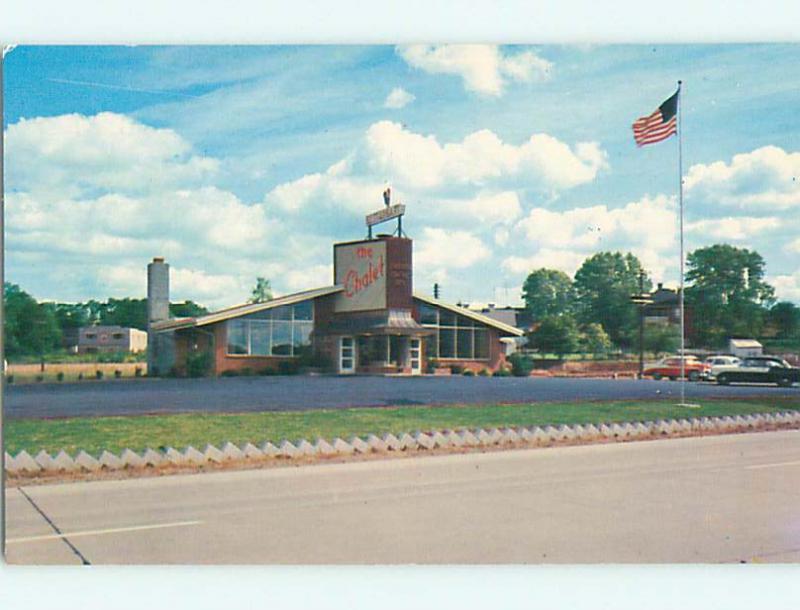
{"points": [[430, 366], [268, 371], [80, 376], [137, 372], [117, 374], [198, 364], [98, 374], [456, 369], [246, 371], [521, 366], [288, 367], [468, 373], [60, 376], [230, 373], [10, 378], [502, 372], [483, 372]]}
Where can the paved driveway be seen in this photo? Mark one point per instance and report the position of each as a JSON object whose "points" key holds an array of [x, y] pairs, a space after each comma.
{"points": [[242, 394]]}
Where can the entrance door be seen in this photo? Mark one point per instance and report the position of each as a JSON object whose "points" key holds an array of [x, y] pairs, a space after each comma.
{"points": [[414, 356], [347, 355]]}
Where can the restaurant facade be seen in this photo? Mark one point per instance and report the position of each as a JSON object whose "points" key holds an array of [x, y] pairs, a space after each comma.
{"points": [[367, 321]]}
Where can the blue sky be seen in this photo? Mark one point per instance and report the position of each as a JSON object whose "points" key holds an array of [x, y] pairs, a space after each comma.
{"points": [[235, 162]]}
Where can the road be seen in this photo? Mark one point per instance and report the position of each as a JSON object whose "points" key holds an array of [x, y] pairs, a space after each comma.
{"points": [[727, 498], [243, 394]]}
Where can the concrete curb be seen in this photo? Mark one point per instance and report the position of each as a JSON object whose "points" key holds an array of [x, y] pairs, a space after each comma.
{"points": [[24, 465]]}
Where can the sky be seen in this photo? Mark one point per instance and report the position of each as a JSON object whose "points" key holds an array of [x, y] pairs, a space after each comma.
{"points": [[241, 161]]}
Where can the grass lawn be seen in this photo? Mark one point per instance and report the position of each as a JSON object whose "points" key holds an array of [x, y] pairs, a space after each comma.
{"points": [[94, 434]]}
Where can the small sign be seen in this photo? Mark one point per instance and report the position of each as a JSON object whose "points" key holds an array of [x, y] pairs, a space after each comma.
{"points": [[392, 211]]}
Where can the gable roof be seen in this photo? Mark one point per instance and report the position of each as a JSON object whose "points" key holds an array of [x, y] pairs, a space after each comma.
{"points": [[478, 317], [243, 310]]}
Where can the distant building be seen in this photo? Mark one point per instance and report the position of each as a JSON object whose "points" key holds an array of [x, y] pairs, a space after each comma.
{"points": [[666, 309], [97, 339], [744, 348]]}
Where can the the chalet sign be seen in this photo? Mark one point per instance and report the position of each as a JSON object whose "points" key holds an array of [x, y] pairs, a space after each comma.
{"points": [[387, 213]]}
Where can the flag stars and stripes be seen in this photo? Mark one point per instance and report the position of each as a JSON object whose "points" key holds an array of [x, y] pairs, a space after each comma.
{"points": [[659, 125]]}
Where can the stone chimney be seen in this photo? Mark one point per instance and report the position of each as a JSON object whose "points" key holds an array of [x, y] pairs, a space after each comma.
{"points": [[157, 291], [159, 353]]}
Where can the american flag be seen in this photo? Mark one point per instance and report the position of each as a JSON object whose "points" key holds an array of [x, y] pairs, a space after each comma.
{"points": [[658, 126]]}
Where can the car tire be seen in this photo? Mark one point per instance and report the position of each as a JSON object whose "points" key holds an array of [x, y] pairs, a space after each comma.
{"points": [[723, 379], [784, 382], [694, 376], [657, 376]]}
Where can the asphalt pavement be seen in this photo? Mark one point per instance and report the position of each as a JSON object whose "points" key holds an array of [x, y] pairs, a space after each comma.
{"points": [[732, 498], [249, 394]]}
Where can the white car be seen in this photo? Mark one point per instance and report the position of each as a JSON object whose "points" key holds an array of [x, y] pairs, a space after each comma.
{"points": [[716, 362]]}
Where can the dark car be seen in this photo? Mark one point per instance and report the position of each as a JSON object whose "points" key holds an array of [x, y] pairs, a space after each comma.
{"points": [[759, 369]]}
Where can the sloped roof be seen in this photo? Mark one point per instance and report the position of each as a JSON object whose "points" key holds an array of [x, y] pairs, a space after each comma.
{"points": [[243, 310], [478, 317]]}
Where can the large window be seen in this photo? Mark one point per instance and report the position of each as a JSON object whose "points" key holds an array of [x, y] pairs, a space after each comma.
{"points": [[457, 336], [281, 331]]}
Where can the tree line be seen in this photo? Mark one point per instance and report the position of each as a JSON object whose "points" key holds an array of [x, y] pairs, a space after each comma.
{"points": [[726, 294], [33, 328]]}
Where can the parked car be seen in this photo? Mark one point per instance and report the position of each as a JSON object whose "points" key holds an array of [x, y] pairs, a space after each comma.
{"points": [[759, 369], [671, 368], [719, 361]]}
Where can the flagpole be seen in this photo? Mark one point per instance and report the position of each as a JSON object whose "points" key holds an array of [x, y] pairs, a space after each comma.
{"points": [[680, 203]]}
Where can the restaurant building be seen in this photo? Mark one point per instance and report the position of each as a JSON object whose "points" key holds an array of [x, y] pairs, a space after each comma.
{"points": [[368, 321]]}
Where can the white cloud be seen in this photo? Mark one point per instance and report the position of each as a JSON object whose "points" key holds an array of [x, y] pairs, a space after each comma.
{"points": [[420, 161], [733, 228], [398, 98], [314, 276], [650, 222], [486, 207], [793, 247], [74, 155], [768, 177], [567, 261], [787, 287], [442, 249], [484, 68]]}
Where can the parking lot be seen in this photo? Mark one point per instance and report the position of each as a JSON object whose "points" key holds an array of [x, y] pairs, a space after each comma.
{"points": [[250, 394]]}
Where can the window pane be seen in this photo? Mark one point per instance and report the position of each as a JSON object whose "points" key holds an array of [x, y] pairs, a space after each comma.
{"points": [[281, 338], [427, 314], [394, 349], [431, 346], [447, 343], [464, 343], [481, 344], [464, 322], [302, 333], [282, 313], [447, 318], [265, 314], [304, 310], [260, 338], [237, 337]]}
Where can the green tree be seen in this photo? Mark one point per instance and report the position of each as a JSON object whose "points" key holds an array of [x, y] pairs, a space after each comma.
{"points": [[187, 309], [728, 294], [548, 292], [29, 328], [261, 292], [784, 317], [556, 334], [604, 285], [661, 339], [127, 312], [595, 340], [72, 315]]}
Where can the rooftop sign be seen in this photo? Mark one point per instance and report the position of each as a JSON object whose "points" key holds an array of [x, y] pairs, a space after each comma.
{"points": [[387, 213]]}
